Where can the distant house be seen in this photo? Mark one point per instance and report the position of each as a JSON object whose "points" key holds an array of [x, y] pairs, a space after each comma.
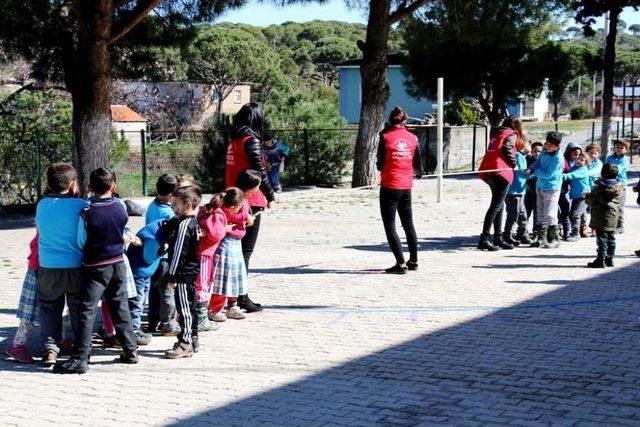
{"points": [[128, 124], [630, 107], [195, 102], [350, 94]]}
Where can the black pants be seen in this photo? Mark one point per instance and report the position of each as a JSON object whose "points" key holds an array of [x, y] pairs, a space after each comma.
{"points": [[565, 213], [530, 202], [110, 281], [186, 305], [251, 237], [499, 187], [162, 300], [392, 201]]}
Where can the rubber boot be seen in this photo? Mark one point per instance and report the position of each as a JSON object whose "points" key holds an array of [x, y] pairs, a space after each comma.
{"points": [[508, 239], [554, 239], [523, 237], [484, 244], [204, 324], [575, 235], [541, 242]]}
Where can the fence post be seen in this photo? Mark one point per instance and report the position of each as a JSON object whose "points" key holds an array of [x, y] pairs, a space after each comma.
{"points": [[556, 126], [143, 149], [624, 104], [617, 130], [593, 131], [122, 134], [440, 136], [38, 168], [305, 136], [473, 149]]}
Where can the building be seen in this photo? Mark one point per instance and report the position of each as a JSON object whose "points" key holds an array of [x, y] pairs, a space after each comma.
{"points": [[128, 124], [350, 94], [631, 103]]}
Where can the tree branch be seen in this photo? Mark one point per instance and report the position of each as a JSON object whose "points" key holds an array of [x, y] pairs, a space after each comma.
{"points": [[138, 13], [404, 11]]}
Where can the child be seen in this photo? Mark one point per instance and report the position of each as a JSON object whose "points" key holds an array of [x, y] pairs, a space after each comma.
{"points": [[276, 153], [516, 211], [60, 257], [579, 182], [620, 159], [230, 279], [101, 229], [594, 165], [162, 307], [570, 155], [548, 171], [213, 223], [605, 201], [530, 194], [184, 266]]}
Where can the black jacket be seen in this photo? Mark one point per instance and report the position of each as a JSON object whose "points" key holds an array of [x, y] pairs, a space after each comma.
{"points": [[508, 148], [254, 150], [184, 234]]}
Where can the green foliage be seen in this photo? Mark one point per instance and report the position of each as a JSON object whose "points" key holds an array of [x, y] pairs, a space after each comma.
{"points": [[211, 170], [460, 113], [581, 112]]}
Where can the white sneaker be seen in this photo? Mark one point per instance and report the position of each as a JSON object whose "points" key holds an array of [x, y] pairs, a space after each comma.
{"points": [[218, 317], [235, 313]]}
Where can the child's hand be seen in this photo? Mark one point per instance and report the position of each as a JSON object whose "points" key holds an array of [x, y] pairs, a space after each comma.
{"points": [[203, 233], [135, 241], [250, 220], [172, 285], [230, 227], [527, 171]]}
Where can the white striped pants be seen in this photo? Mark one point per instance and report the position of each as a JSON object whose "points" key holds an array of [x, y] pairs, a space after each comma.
{"points": [[186, 305]]}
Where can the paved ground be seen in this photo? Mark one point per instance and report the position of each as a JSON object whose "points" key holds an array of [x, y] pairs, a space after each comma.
{"points": [[523, 337]]}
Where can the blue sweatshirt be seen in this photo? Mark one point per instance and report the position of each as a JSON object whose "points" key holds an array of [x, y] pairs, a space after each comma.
{"points": [[519, 185], [144, 259], [158, 210], [57, 223], [595, 168], [623, 164], [548, 170], [579, 180]]}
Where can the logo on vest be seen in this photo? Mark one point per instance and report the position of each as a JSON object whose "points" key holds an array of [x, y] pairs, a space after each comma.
{"points": [[401, 150]]}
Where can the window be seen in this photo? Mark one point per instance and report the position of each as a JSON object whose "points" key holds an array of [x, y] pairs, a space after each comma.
{"points": [[237, 96]]}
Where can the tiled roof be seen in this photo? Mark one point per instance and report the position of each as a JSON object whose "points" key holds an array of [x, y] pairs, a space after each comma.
{"points": [[122, 113]]}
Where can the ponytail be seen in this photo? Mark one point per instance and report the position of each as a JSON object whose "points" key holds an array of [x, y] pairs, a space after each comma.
{"points": [[216, 202], [397, 116]]}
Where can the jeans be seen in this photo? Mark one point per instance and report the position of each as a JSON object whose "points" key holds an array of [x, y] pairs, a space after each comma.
{"points": [[162, 302], [577, 212], [547, 207], [54, 286], [274, 177], [606, 244], [499, 187], [516, 213], [109, 280], [136, 304], [251, 237], [392, 201]]}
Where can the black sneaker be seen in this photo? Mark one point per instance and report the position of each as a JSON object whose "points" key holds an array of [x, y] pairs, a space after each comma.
{"points": [[608, 262], [128, 357], [412, 266], [597, 263], [396, 269], [71, 366], [141, 337], [245, 303]]}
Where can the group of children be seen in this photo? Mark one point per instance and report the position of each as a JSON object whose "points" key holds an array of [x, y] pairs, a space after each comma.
{"points": [[561, 190], [186, 262]]}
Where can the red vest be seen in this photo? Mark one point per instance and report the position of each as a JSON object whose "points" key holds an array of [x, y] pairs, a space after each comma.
{"points": [[237, 162], [495, 158], [399, 149]]}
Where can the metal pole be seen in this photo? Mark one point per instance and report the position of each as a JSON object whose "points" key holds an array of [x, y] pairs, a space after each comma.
{"points": [[556, 124], [473, 152], [143, 146], [633, 114], [579, 86], [38, 169], [440, 135], [617, 130], [593, 100], [593, 132], [624, 104]]}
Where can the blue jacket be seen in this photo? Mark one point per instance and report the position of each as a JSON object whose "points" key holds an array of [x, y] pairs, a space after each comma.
{"points": [[57, 223], [548, 170], [519, 184], [158, 210], [595, 168], [623, 166], [144, 259], [579, 180]]}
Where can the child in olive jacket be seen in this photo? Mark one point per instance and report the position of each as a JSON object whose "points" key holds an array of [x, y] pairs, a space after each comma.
{"points": [[605, 200]]}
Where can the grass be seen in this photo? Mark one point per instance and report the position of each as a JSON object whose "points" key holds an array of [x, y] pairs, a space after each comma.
{"points": [[563, 126]]}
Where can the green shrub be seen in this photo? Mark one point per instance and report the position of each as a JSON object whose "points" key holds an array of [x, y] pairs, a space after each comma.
{"points": [[210, 173], [581, 112], [460, 113]]}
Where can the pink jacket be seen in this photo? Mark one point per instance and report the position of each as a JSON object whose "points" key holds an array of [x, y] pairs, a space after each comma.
{"points": [[214, 225], [240, 219], [33, 254]]}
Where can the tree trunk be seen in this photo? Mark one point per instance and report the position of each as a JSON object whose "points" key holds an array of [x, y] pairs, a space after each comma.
{"points": [[609, 69], [91, 90], [375, 93]]}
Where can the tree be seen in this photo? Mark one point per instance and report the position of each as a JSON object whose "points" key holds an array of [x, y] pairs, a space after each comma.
{"points": [[587, 11], [493, 51], [565, 62], [634, 29], [375, 91], [71, 41]]}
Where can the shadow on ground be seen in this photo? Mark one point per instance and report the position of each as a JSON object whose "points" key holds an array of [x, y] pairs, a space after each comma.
{"points": [[570, 355], [445, 244]]}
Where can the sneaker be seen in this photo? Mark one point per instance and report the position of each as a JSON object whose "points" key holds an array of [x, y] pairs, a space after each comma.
{"points": [[218, 317], [66, 347], [412, 266], [169, 330], [235, 313], [396, 269], [204, 324], [608, 262], [180, 350], [128, 357], [49, 358], [71, 366], [111, 342], [141, 337], [20, 353]]}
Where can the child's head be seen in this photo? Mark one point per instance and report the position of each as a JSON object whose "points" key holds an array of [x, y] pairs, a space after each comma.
{"points": [[397, 116], [233, 199], [573, 152], [102, 182], [269, 140], [249, 181], [61, 178], [186, 180], [593, 152], [536, 149], [581, 160], [621, 146], [609, 171], [553, 141], [186, 200], [166, 185]]}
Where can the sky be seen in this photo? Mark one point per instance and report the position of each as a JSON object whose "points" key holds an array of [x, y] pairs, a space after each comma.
{"points": [[262, 14]]}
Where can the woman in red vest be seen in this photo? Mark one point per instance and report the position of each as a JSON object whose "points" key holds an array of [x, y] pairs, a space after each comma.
{"points": [[245, 151], [399, 162], [498, 162]]}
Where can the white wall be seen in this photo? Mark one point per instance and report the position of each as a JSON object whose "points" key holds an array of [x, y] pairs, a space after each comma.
{"points": [[131, 133]]}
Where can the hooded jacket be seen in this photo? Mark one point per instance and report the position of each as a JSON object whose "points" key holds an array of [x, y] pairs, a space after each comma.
{"points": [[604, 200], [548, 171], [144, 259], [579, 181]]}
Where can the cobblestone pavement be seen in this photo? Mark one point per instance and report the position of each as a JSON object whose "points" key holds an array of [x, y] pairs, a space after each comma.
{"points": [[524, 337]]}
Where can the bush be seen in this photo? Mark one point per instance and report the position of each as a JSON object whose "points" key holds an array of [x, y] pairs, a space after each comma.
{"points": [[211, 170], [581, 112], [460, 113]]}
